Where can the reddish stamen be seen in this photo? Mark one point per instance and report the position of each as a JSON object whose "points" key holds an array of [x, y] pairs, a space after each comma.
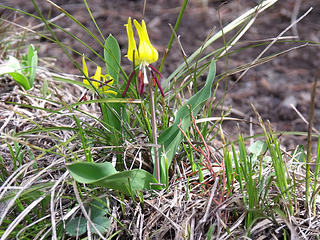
{"points": [[141, 82], [142, 87], [155, 70], [128, 83], [154, 78]]}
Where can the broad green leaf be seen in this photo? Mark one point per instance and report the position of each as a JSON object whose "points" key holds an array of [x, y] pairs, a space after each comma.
{"points": [[112, 56], [97, 211], [128, 182], [170, 139], [76, 226], [97, 208], [104, 175], [101, 223], [30, 54], [258, 148], [89, 172], [32, 64], [21, 79], [113, 113]]}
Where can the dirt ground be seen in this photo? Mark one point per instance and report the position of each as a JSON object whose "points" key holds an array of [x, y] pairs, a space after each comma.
{"points": [[272, 87]]}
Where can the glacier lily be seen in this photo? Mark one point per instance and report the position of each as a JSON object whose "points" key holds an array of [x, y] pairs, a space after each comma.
{"points": [[101, 82], [142, 56]]}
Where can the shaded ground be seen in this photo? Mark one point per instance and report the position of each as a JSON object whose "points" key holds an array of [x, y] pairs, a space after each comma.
{"points": [[271, 87]]}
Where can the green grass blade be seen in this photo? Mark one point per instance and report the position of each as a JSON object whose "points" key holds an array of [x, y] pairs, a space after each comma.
{"points": [[170, 139]]}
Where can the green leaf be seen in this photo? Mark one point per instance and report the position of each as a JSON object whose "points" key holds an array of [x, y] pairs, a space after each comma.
{"points": [[171, 138], [89, 172], [32, 64], [101, 223], [128, 182], [112, 57], [114, 113], [21, 79], [256, 149], [30, 54], [97, 208], [105, 175], [76, 226]]}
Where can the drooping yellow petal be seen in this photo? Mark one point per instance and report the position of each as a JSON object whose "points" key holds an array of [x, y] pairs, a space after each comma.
{"points": [[147, 53], [84, 67], [101, 82], [107, 83], [132, 48], [97, 77], [96, 82], [112, 92], [85, 71]]}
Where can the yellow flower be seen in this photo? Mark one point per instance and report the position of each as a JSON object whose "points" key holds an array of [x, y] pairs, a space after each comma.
{"points": [[146, 53], [142, 57], [101, 82]]}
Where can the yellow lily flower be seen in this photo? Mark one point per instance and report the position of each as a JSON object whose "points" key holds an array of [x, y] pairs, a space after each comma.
{"points": [[146, 53], [100, 82], [142, 56]]}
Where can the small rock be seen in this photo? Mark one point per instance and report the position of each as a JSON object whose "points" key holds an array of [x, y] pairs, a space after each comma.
{"points": [[288, 101]]}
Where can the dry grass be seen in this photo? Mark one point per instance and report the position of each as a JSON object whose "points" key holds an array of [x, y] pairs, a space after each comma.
{"points": [[184, 211]]}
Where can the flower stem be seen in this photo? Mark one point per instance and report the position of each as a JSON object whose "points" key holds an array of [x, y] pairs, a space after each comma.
{"points": [[154, 134]]}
